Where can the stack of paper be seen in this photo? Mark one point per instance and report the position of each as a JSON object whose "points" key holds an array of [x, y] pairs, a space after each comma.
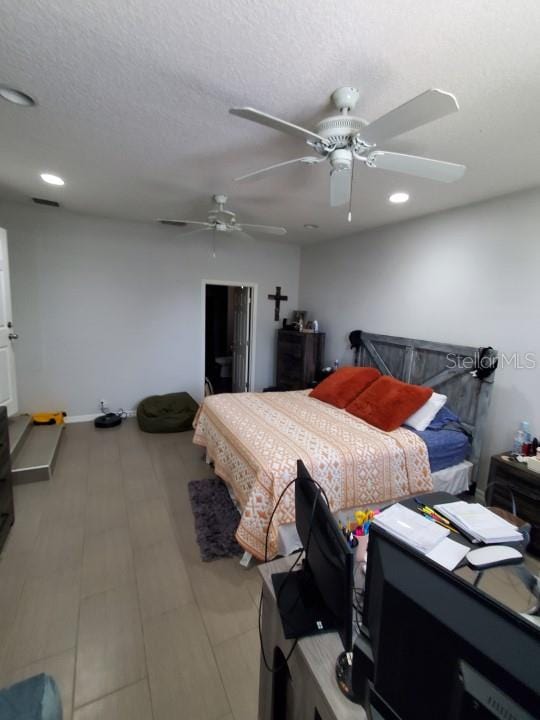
{"points": [[479, 523], [411, 528], [422, 534]]}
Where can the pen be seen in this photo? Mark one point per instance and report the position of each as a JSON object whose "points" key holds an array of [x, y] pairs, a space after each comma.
{"points": [[430, 516], [447, 527], [431, 511], [438, 515], [434, 515]]}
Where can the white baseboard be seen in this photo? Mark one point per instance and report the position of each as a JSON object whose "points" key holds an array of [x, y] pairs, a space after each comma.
{"points": [[90, 418], [80, 418]]}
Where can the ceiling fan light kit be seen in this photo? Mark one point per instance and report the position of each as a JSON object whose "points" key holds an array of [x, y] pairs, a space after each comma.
{"points": [[343, 138]]}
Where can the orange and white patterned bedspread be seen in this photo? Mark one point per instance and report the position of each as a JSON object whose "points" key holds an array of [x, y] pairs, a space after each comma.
{"points": [[255, 440]]}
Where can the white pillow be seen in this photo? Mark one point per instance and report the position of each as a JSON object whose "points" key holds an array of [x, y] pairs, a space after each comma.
{"points": [[422, 417]]}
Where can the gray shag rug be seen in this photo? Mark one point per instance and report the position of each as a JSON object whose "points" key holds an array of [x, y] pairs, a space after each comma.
{"points": [[216, 519]]}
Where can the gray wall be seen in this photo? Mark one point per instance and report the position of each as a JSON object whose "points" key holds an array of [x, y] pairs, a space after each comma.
{"points": [[469, 276], [110, 309]]}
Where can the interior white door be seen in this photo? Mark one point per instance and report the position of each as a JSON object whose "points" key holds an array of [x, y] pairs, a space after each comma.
{"points": [[8, 385], [241, 339]]}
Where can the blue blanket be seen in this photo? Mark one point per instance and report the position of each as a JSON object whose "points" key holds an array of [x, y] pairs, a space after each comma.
{"points": [[447, 443]]}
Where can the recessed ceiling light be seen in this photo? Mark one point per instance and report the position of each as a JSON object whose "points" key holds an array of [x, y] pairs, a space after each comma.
{"points": [[399, 197], [16, 96], [51, 179], [310, 226]]}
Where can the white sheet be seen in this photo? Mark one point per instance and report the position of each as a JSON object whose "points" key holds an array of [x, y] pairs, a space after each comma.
{"points": [[453, 480]]}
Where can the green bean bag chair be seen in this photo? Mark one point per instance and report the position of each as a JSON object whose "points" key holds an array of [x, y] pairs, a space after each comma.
{"points": [[174, 412]]}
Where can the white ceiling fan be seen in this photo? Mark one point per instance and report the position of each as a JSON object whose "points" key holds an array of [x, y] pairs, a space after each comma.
{"points": [[344, 138], [221, 220]]}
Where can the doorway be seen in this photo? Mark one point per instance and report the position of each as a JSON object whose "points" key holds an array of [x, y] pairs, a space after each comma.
{"points": [[228, 334], [8, 385]]}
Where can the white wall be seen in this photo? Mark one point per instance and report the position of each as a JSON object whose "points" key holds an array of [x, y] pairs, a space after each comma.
{"points": [[113, 309], [469, 276], [110, 309]]}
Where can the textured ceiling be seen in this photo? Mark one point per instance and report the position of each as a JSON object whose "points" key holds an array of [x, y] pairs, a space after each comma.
{"points": [[133, 98]]}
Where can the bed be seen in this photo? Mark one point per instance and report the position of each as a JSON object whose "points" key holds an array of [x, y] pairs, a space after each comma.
{"points": [[255, 439]]}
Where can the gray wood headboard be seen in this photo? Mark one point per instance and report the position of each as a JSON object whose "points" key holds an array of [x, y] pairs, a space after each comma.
{"points": [[445, 368]]}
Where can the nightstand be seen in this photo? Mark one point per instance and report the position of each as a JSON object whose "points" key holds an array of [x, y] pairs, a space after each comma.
{"points": [[508, 477]]}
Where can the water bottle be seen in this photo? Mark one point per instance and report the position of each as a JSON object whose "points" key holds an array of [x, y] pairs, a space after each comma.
{"points": [[521, 437]]}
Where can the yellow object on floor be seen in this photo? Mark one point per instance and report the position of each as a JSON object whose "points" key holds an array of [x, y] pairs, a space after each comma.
{"points": [[51, 418]]}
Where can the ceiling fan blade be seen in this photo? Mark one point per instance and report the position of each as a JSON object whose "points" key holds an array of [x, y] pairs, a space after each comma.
{"points": [[183, 223], [265, 229], [276, 123], [194, 232], [430, 105], [340, 187], [415, 165], [271, 168], [243, 233]]}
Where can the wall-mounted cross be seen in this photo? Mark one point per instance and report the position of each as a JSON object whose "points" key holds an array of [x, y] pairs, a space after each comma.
{"points": [[277, 298]]}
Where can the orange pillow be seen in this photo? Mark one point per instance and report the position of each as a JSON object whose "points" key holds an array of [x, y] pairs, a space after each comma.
{"points": [[342, 386], [388, 402]]}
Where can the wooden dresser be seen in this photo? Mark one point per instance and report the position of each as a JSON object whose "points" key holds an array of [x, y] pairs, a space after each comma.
{"points": [[6, 491], [299, 359]]}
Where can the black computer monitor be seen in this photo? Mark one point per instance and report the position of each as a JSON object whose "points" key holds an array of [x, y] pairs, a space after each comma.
{"points": [[319, 597], [329, 559], [442, 648]]}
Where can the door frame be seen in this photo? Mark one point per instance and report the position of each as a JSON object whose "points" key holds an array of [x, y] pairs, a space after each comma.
{"points": [[7, 328], [252, 337]]}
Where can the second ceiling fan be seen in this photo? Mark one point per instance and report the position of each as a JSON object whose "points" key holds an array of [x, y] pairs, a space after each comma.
{"points": [[224, 221], [341, 139]]}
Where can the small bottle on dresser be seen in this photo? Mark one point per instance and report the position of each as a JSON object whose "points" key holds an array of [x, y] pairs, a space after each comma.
{"points": [[521, 437]]}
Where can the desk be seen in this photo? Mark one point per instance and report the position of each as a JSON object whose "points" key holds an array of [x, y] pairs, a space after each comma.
{"points": [[308, 689], [509, 585]]}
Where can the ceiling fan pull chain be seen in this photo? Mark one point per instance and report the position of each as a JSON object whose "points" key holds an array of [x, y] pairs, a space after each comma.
{"points": [[349, 216]]}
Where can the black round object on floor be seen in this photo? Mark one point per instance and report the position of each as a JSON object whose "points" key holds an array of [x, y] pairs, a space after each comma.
{"points": [[109, 420]]}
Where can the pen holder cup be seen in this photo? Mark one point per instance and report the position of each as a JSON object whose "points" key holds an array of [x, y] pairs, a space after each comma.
{"points": [[360, 562], [361, 548]]}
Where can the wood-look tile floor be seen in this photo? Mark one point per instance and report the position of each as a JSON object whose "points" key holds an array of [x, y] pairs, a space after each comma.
{"points": [[102, 586]]}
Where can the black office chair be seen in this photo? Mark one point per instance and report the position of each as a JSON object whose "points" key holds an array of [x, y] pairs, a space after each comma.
{"points": [[510, 516]]}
